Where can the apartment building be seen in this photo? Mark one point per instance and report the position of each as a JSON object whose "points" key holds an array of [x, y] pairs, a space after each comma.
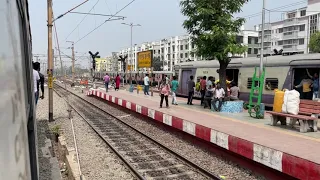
{"points": [[292, 34], [178, 49], [104, 64]]}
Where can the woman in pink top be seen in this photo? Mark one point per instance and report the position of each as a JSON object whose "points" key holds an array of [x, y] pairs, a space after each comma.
{"points": [[117, 82], [164, 93]]}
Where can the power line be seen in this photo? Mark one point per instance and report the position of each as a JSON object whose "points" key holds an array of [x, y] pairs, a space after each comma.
{"points": [[95, 14], [106, 21], [82, 20], [274, 9]]}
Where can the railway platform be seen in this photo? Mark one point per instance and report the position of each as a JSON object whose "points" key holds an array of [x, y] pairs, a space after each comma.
{"points": [[283, 149]]}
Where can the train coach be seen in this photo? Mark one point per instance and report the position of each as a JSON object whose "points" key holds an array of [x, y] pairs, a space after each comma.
{"points": [[282, 72], [135, 75], [18, 155]]}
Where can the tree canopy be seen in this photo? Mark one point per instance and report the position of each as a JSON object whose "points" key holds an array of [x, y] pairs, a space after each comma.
{"points": [[213, 29], [314, 43]]}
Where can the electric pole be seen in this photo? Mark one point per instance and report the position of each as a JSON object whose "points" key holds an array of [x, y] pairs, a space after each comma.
{"points": [[262, 38], [131, 48], [73, 59], [50, 60]]}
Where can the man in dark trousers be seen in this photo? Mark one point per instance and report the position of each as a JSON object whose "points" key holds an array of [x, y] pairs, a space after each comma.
{"points": [[41, 81], [191, 86]]}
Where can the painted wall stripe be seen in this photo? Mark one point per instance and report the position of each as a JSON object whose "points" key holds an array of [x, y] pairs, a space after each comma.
{"points": [[241, 146], [128, 105], [113, 99], [203, 132], [220, 139], [158, 116], [151, 113], [167, 119], [189, 127], [138, 108], [120, 102], [267, 156]]}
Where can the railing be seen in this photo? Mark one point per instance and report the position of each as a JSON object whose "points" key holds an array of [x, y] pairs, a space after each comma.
{"points": [[289, 22], [290, 48]]}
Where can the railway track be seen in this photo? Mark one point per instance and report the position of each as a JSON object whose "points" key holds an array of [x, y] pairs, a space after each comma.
{"points": [[144, 156]]}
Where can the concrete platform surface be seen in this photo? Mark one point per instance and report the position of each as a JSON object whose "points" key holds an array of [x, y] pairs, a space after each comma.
{"points": [[285, 150]]}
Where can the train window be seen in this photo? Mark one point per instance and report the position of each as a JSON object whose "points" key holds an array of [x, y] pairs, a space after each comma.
{"points": [[249, 83], [271, 83]]}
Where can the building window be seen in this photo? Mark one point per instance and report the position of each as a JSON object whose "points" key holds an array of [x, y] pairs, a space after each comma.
{"points": [[301, 41], [162, 58], [280, 43], [169, 57], [192, 54], [154, 51], [249, 50], [291, 15], [173, 48], [280, 30], [256, 40], [187, 46], [192, 45], [162, 50], [159, 51], [186, 55], [181, 47], [302, 27], [181, 55], [168, 49], [271, 84], [303, 13], [239, 39], [256, 51], [173, 56]]}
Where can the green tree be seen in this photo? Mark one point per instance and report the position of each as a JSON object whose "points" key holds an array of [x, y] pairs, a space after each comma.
{"points": [[314, 43], [213, 29]]}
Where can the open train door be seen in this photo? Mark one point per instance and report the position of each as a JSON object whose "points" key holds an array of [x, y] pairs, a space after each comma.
{"points": [[185, 77]]}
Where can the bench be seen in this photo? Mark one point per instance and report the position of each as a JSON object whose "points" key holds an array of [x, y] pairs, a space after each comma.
{"points": [[308, 116]]}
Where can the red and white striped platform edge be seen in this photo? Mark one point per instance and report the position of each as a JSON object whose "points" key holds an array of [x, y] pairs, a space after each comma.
{"points": [[283, 162]]}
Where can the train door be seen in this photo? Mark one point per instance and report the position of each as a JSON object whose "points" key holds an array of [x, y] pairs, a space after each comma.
{"points": [[233, 75], [184, 81], [303, 73]]}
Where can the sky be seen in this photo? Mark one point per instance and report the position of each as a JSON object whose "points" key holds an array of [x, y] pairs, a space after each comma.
{"points": [[158, 19]]}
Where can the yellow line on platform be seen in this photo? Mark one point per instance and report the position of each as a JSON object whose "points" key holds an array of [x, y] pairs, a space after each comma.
{"points": [[239, 121]]}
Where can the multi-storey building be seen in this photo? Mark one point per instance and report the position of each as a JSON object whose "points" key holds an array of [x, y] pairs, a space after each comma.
{"points": [[178, 49], [292, 34]]}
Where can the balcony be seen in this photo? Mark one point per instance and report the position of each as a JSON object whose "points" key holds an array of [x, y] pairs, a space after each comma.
{"points": [[267, 26], [290, 35], [290, 48], [290, 22], [267, 38]]}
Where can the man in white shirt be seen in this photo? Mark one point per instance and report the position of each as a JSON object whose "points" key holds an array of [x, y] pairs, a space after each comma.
{"points": [[146, 85], [36, 78], [218, 96]]}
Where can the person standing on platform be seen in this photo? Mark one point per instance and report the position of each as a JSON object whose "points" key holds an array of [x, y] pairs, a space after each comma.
{"points": [[209, 82], [164, 93], [174, 87], [203, 87], [106, 80], [218, 96], [234, 92], [191, 86], [118, 81], [208, 97], [41, 81], [315, 85], [36, 78], [146, 85]]}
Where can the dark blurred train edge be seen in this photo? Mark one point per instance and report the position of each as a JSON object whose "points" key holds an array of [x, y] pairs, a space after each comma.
{"points": [[18, 152]]}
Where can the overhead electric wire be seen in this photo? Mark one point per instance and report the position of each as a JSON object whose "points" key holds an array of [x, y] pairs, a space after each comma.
{"points": [[106, 21], [95, 14], [274, 9], [82, 20]]}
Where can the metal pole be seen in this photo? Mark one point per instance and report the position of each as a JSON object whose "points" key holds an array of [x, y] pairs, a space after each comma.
{"points": [[73, 62], [131, 26], [50, 60], [262, 38]]}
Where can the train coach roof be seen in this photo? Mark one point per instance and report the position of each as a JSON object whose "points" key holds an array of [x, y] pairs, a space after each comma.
{"points": [[300, 59]]}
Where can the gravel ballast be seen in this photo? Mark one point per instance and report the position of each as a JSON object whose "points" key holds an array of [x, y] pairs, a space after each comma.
{"points": [[174, 141], [97, 160]]}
